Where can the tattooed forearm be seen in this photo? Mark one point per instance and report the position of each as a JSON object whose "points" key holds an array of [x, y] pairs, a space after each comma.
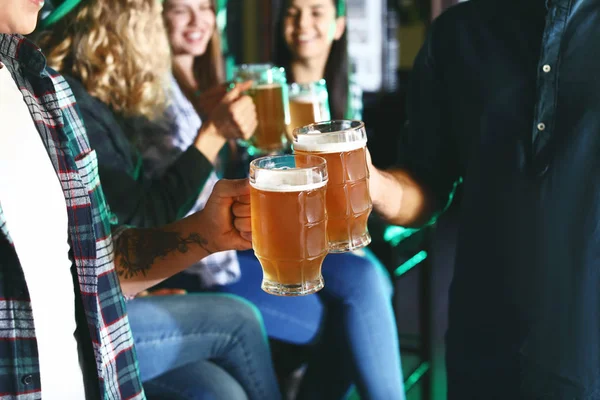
{"points": [[139, 248]]}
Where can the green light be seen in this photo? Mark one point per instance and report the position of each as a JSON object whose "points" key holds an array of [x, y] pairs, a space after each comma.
{"points": [[408, 265], [416, 376], [61, 8], [222, 20], [395, 234], [353, 395]]}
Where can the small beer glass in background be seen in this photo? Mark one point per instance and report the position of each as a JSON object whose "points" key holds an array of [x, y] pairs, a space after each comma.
{"points": [[289, 222], [269, 93], [343, 145], [309, 103]]}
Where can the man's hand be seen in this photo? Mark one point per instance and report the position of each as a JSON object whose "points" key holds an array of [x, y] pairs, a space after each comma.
{"points": [[225, 220], [144, 257], [234, 117], [375, 181], [162, 292], [398, 198]]}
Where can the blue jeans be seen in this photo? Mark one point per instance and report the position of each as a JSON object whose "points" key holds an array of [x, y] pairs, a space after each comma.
{"points": [[351, 320], [359, 343], [202, 346]]}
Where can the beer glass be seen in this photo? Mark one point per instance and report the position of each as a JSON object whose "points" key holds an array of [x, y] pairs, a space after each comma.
{"points": [[343, 145], [269, 93], [309, 103], [289, 222]]}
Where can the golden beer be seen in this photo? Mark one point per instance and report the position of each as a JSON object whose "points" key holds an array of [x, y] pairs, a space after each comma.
{"points": [[269, 93], [309, 103], [270, 111], [289, 222], [348, 200], [303, 112]]}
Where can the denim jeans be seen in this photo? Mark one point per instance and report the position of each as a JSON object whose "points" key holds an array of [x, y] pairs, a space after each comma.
{"points": [[202, 346], [359, 342], [350, 320]]}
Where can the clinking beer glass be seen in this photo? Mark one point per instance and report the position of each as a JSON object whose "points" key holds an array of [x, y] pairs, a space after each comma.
{"points": [[309, 103], [343, 145], [269, 93], [289, 222]]}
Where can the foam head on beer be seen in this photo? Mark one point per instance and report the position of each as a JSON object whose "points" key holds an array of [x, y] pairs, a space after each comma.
{"points": [[288, 180], [330, 137], [289, 221], [343, 145], [304, 99]]}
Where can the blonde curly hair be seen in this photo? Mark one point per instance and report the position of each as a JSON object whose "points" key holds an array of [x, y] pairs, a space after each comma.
{"points": [[119, 51]]}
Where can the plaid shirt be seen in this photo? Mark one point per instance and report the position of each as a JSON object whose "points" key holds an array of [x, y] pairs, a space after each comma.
{"points": [[52, 107]]}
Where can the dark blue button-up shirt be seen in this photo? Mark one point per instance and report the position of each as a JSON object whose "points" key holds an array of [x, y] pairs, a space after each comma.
{"points": [[506, 95]]}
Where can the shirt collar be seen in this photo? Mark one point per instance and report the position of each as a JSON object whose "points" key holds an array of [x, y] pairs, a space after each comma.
{"points": [[28, 55]]}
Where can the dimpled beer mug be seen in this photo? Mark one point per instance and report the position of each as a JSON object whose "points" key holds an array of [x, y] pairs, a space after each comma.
{"points": [[309, 103], [289, 222], [343, 145], [269, 93]]}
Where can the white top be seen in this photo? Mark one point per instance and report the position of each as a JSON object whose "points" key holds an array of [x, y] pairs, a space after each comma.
{"points": [[36, 217], [160, 147]]}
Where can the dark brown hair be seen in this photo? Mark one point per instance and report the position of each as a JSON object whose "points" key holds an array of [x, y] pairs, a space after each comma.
{"points": [[337, 67]]}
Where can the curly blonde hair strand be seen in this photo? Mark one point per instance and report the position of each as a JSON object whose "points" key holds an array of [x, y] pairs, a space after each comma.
{"points": [[119, 51]]}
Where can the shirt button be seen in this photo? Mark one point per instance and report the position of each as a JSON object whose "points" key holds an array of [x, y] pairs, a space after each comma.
{"points": [[546, 68], [27, 379], [541, 126]]}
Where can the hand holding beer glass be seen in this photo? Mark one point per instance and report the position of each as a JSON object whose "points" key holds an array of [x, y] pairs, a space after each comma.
{"points": [[289, 222], [343, 145], [269, 93]]}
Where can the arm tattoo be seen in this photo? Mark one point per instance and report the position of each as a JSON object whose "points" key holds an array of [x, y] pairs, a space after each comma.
{"points": [[139, 248]]}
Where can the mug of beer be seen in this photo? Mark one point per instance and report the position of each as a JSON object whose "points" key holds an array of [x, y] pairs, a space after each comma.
{"points": [[343, 145], [289, 222], [269, 93], [309, 103]]}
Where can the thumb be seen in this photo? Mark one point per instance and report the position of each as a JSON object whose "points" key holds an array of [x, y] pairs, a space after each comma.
{"points": [[232, 188], [237, 91], [369, 159], [167, 292], [242, 242]]}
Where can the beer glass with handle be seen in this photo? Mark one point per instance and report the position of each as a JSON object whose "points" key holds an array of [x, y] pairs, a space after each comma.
{"points": [[289, 222], [343, 145], [269, 93], [309, 103]]}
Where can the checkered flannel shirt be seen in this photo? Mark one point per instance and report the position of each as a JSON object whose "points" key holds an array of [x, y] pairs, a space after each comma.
{"points": [[53, 109]]}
